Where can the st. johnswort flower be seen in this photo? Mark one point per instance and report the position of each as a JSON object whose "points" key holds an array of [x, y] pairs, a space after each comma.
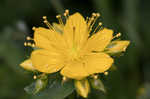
{"points": [[74, 48]]}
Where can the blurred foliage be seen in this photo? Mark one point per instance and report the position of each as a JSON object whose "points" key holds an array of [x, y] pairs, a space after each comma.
{"points": [[130, 17]]}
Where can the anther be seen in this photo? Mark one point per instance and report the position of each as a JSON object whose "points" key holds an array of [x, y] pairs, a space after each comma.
{"points": [[34, 77], [97, 14], [45, 21], [60, 19], [66, 11], [64, 78], [95, 76], [100, 23], [25, 43], [44, 17], [117, 35], [94, 14], [65, 14], [105, 73], [29, 38], [58, 16], [33, 45], [29, 44], [33, 28]]}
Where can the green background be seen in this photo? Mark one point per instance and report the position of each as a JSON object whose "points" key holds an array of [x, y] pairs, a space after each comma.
{"points": [[130, 17]]}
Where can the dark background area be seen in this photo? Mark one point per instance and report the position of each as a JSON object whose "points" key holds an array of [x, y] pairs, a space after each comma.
{"points": [[130, 17]]}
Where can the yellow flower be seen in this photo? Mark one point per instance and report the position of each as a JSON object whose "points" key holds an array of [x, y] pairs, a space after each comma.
{"points": [[70, 49]]}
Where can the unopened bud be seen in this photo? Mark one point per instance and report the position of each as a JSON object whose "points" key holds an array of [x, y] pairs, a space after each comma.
{"points": [[82, 87]]}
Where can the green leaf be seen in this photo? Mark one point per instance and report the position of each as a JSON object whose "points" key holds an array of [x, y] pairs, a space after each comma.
{"points": [[54, 90], [98, 84]]}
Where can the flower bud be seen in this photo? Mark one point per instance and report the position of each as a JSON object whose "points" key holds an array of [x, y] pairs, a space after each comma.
{"points": [[82, 87], [97, 84], [40, 84]]}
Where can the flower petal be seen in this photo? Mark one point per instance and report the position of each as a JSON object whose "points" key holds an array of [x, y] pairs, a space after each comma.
{"points": [[27, 64], [47, 61], [100, 40], [75, 31], [74, 70], [97, 63], [117, 46], [47, 39]]}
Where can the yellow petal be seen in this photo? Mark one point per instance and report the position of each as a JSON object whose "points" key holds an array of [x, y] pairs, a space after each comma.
{"points": [[47, 39], [100, 40], [97, 63], [75, 31], [47, 61], [117, 46], [82, 87], [27, 64], [74, 70]]}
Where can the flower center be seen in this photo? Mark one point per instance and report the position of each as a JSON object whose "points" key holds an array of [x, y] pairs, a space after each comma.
{"points": [[74, 53]]}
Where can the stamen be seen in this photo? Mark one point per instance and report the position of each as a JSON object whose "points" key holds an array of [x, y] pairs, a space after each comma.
{"points": [[98, 26], [47, 23], [64, 79], [66, 14], [33, 45], [29, 44], [29, 38], [95, 16], [117, 35], [34, 77], [87, 18], [95, 76], [25, 43], [90, 21], [60, 19], [33, 28], [105, 73], [67, 11]]}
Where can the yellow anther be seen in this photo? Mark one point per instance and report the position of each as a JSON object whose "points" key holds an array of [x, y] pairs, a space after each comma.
{"points": [[45, 21], [95, 76], [33, 45], [92, 19], [64, 78], [60, 19], [117, 35], [58, 16], [25, 43], [66, 11], [97, 14], [44, 17], [33, 28], [28, 38], [100, 23], [65, 14], [34, 77], [105, 73], [29, 44], [94, 14]]}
